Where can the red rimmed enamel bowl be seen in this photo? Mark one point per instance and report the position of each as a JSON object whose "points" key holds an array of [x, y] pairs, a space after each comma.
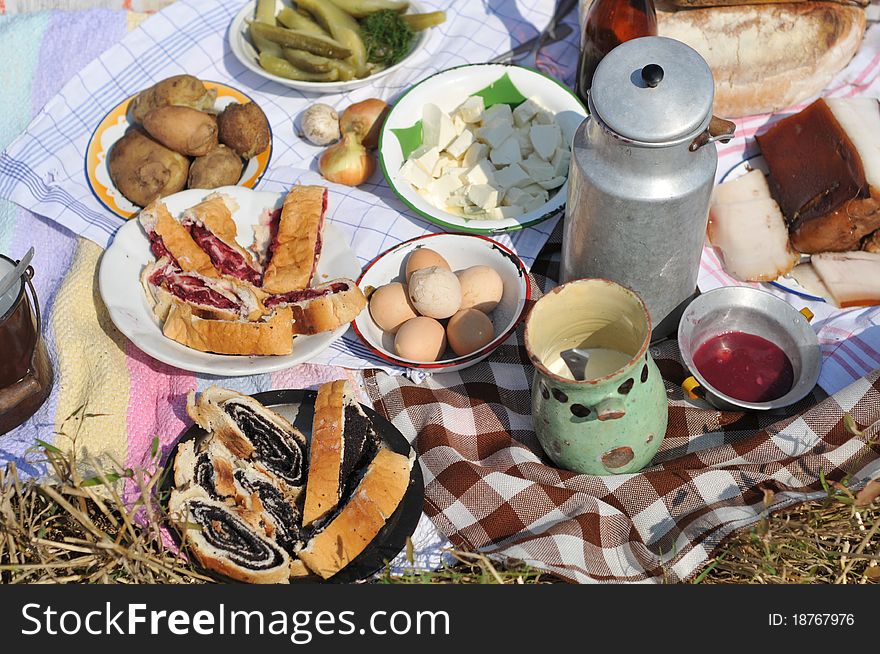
{"points": [[460, 251]]}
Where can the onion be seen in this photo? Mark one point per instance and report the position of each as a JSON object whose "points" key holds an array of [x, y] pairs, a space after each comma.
{"points": [[364, 119], [347, 162]]}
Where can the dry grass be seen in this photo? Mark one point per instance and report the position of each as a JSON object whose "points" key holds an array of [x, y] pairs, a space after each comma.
{"points": [[80, 530]]}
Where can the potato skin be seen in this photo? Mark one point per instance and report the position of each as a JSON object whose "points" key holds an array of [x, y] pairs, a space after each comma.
{"points": [[182, 129], [183, 90], [245, 129], [144, 170], [220, 167]]}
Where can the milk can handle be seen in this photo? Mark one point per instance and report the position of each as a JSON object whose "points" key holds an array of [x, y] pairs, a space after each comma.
{"points": [[718, 130]]}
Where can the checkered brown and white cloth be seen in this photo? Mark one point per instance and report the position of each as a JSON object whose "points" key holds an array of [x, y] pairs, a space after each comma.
{"points": [[490, 488]]}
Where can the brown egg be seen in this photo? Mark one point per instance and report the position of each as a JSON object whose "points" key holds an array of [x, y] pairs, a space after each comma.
{"points": [[420, 339], [390, 307], [481, 288], [424, 258], [468, 331]]}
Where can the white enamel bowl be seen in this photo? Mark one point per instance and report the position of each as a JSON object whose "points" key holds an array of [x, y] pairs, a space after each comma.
{"points": [[447, 90], [120, 287], [246, 53], [460, 251]]}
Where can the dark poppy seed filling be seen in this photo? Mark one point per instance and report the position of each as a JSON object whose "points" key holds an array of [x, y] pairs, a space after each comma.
{"points": [[361, 443], [280, 452], [233, 537], [285, 515], [204, 475]]}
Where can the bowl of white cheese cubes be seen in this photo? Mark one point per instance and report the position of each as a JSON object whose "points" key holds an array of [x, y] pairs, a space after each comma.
{"points": [[482, 148]]}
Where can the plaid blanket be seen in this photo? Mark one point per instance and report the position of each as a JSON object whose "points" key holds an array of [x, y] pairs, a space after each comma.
{"points": [[490, 488]]}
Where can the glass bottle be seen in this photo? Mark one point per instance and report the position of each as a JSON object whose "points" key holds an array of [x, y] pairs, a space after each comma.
{"points": [[609, 23]]}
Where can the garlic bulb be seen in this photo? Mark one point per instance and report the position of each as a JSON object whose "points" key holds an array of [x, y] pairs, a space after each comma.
{"points": [[320, 124]]}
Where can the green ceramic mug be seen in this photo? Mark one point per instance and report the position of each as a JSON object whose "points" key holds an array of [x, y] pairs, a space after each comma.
{"points": [[612, 421]]}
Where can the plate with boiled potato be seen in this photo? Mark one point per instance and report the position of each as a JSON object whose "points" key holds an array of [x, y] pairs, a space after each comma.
{"points": [[482, 148], [178, 134], [442, 302]]}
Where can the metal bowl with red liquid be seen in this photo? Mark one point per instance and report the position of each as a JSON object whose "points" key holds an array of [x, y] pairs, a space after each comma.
{"points": [[748, 349]]}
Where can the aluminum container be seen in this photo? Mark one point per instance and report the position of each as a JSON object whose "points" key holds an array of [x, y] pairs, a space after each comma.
{"points": [[749, 310], [641, 175]]}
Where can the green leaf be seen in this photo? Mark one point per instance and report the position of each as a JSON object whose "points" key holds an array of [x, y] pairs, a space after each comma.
{"points": [[410, 138], [110, 477], [155, 446], [47, 447], [501, 91]]}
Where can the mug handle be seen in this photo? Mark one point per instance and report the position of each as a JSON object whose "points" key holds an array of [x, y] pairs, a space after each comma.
{"points": [[692, 389]]}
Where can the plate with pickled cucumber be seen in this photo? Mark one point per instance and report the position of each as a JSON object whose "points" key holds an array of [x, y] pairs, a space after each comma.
{"points": [[329, 46]]}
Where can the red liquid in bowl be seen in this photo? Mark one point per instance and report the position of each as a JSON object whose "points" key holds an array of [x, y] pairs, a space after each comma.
{"points": [[745, 367]]}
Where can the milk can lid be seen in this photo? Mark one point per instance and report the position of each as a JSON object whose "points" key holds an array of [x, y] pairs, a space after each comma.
{"points": [[653, 90]]}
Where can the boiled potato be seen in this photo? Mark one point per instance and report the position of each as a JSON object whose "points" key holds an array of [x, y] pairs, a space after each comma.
{"points": [[144, 170], [182, 90], [184, 130], [245, 129], [220, 167]]}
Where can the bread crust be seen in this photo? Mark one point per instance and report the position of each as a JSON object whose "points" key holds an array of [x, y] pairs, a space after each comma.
{"points": [[770, 56], [326, 452], [161, 301], [357, 524], [177, 240], [299, 231], [269, 336], [326, 313], [215, 212]]}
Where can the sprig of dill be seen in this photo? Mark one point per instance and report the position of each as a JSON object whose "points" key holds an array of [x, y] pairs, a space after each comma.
{"points": [[386, 36]]}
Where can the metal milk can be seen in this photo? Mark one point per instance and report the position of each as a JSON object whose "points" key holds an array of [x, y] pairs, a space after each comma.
{"points": [[641, 176]]}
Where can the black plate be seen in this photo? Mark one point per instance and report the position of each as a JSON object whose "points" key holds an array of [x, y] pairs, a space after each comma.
{"points": [[391, 538]]}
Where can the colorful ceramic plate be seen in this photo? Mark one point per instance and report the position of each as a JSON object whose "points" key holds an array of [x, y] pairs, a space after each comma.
{"points": [[246, 53], [787, 282], [298, 407], [120, 286], [497, 83], [460, 251], [113, 127]]}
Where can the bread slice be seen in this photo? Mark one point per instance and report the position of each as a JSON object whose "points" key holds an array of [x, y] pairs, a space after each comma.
{"points": [[215, 212], [372, 502], [295, 243], [225, 253], [224, 542], [254, 433], [770, 56], [321, 308], [343, 437], [169, 238], [209, 297], [271, 335]]}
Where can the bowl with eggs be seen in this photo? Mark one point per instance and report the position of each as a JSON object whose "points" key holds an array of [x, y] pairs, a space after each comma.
{"points": [[442, 302], [482, 148]]}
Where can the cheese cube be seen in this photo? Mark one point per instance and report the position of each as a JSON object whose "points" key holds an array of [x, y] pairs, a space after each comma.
{"points": [[482, 173], [525, 141], [483, 195], [545, 139], [426, 158], [443, 187], [459, 124], [544, 117], [538, 169], [471, 110], [458, 198], [475, 153], [437, 128], [554, 182], [560, 161], [534, 189], [507, 153], [525, 112], [460, 145], [444, 162], [534, 202], [501, 213], [515, 195], [495, 135], [511, 176], [411, 172], [498, 114]]}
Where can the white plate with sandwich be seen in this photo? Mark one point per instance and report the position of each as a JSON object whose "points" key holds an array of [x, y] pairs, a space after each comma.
{"points": [[190, 285]]}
